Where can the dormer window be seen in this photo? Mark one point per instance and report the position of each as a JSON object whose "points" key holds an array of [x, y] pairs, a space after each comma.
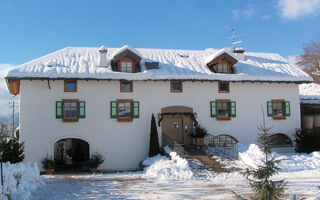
{"points": [[223, 68], [221, 62], [127, 60], [126, 66]]}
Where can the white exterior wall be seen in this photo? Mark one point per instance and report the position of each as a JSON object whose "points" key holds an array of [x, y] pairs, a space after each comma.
{"points": [[125, 144]]}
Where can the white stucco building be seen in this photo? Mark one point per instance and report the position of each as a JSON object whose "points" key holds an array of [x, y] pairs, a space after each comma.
{"points": [[77, 101]]}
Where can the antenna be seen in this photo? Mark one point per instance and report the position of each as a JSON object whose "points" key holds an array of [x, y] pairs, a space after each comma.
{"points": [[234, 42]]}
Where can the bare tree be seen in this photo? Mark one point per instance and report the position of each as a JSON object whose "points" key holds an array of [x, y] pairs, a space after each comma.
{"points": [[310, 60]]}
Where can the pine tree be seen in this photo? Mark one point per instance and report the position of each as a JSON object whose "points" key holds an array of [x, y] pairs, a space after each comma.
{"points": [[154, 142], [13, 150], [260, 179]]}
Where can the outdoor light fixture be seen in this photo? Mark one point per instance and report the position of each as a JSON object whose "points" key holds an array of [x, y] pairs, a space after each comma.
{"points": [[1, 153]]}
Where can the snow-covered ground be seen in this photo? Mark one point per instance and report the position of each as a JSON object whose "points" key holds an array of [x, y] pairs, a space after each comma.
{"points": [[175, 178]]}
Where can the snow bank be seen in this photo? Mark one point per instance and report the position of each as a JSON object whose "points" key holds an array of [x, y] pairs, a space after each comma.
{"points": [[252, 156], [163, 168], [19, 180]]}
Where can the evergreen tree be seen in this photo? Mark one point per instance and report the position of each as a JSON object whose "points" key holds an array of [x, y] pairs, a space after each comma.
{"points": [[13, 150], [260, 179], [154, 142]]}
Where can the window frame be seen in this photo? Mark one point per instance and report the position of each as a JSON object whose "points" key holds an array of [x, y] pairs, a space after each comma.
{"points": [[220, 118], [223, 91], [127, 60], [65, 85], [131, 86], [64, 119], [176, 91], [124, 119], [223, 63], [282, 101]]}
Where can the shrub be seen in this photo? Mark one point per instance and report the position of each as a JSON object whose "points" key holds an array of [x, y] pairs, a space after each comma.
{"points": [[307, 141], [154, 141], [199, 132], [96, 160], [48, 163], [13, 150]]}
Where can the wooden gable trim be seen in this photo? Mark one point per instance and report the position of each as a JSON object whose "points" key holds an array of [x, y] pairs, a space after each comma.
{"points": [[14, 87], [222, 59], [127, 54]]}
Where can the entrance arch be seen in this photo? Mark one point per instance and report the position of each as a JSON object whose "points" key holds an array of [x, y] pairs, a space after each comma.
{"points": [[176, 125], [71, 154]]}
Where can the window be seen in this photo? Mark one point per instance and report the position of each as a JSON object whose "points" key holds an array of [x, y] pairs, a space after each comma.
{"points": [[278, 109], [223, 87], [223, 109], [70, 110], [280, 139], [224, 141], [223, 68], [125, 110], [70, 85], [176, 86], [126, 66], [126, 86]]}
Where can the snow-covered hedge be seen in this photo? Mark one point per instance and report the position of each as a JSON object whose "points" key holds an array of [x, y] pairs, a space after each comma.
{"points": [[19, 180], [252, 156], [163, 168]]}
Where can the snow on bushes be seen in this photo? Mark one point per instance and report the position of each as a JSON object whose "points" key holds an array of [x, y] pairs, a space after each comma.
{"points": [[163, 168], [252, 156], [19, 180]]}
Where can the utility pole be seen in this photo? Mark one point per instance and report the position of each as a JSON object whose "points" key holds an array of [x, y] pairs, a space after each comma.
{"points": [[13, 108], [12, 118]]}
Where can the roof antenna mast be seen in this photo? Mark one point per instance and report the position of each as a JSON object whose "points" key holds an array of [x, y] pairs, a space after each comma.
{"points": [[234, 42]]}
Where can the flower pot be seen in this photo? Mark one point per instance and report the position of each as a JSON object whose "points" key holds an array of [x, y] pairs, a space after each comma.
{"points": [[94, 170], [49, 171], [199, 141]]}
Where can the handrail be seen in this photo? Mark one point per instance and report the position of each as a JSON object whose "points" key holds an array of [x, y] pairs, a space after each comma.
{"points": [[178, 148]]}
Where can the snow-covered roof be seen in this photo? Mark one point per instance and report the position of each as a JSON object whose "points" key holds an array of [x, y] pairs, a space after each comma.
{"points": [[82, 63], [309, 93]]}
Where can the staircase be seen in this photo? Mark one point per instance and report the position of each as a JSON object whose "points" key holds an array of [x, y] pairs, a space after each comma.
{"points": [[197, 153]]}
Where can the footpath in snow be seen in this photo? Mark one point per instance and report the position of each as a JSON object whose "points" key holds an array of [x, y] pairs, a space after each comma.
{"points": [[163, 178]]}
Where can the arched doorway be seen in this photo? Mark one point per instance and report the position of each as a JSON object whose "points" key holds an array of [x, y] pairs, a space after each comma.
{"points": [[71, 154], [176, 125]]}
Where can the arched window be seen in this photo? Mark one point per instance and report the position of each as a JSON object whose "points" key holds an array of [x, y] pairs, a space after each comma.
{"points": [[280, 139], [223, 140]]}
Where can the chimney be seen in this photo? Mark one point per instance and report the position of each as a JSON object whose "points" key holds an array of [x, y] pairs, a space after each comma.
{"points": [[239, 53], [103, 62]]}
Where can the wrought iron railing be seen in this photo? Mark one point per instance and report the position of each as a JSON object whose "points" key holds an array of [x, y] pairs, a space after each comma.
{"points": [[174, 146]]}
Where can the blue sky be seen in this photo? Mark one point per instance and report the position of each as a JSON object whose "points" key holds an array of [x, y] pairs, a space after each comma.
{"points": [[30, 29]]}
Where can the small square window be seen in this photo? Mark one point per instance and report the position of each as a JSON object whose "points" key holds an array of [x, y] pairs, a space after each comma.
{"points": [[126, 86], [223, 87], [70, 85], [176, 86]]}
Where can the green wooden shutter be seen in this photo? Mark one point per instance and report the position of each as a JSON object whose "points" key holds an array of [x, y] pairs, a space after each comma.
{"points": [[287, 108], [114, 109], [59, 109], [213, 107], [232, 109], [270, 109], [82, 109], [136, 109]]}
